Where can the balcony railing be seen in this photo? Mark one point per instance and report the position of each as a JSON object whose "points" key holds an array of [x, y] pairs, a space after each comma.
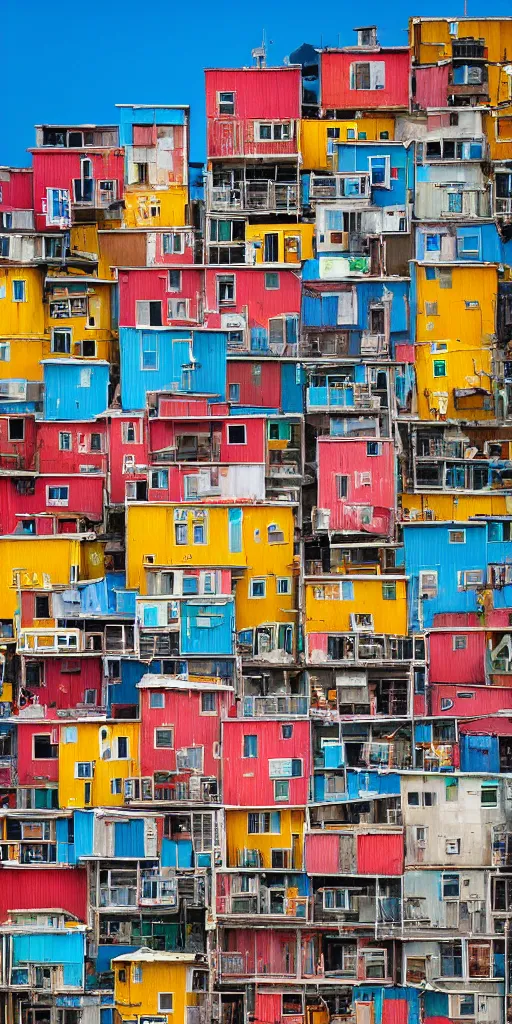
{"points": [[265, 707], [369, 647], [118, 896], [354, 186], [246, 905], [503, 206], [49, 641], [233, 965], [341, 396], [258, 195]]}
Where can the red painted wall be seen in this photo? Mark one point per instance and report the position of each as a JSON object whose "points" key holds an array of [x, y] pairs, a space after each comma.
{"points": [[85, 498], [246, 779], [322, 854], [252, 299], [350, 458], [45, 889], [260, 383], [335, 79], [485, 700], [431, 86], [17, 191], [56, 168], [182, 711], [153, 283], [52, 460], [380, 854], [63, 689], [260, 94], [457, 666], [119, 448], [29, 770]]}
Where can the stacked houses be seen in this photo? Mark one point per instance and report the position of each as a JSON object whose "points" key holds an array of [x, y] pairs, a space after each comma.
{"points": [[256, 548]]}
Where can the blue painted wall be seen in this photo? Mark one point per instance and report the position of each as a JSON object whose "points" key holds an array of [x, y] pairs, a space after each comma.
{"points": [[173, 352], [75, 390]]}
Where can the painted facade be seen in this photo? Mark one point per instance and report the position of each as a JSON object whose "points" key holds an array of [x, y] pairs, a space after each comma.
{"points": [[256, 548]]}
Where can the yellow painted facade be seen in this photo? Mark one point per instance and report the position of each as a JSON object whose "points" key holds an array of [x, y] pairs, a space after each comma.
{"points": [[498, 128], [454, 330], [289, 837], [267, 553], [96, 742], [155, 208], [456, 506], [329, 604], [314, 137], [294, 243], [24, 318], [432, 41], [43, 561], [138, 983]]}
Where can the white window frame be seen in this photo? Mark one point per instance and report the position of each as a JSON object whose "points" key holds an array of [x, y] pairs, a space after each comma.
{"points": [[258, 579], [5, 351], [387, 171], [65, 447], [221, 279], [279, 583], [173, 307], [163, 728], [180, 235], [452, 533], [377, 76], [231, 102], [57, 502], [62, 330], [424, 573], [22, 281], [79, 775], [162, 1009], [286, 125], [124, 430], [228, 428]]}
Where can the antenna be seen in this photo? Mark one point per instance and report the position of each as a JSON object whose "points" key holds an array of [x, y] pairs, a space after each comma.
{"points": [[465, 8], [260, 52]]}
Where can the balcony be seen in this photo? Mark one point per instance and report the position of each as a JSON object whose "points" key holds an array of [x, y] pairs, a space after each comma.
{"points": [[28, 853], [257, 196], [246, 965], [341, 395], [49, 641], [163, 788], [158, 891], [118, 895], [273, 707], [275, 905], [371, 648], [348, 187]]}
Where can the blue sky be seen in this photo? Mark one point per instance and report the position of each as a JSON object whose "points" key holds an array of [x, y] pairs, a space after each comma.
{"points": [[155, 53]]}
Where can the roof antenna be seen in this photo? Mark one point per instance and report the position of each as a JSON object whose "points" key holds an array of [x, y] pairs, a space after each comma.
{"points": [[260, 52], [465, 8]]}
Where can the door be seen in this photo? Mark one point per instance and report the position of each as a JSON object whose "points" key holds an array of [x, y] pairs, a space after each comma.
{"points": [[271, 248], [292, 249]]}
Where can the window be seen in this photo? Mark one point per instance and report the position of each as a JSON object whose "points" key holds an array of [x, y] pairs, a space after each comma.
{"points": [[44, 748], [234, 393], [466, 1005], [389, 591], [226, 289], [163, 738], [149, 343], [235, 530], [333, 133], [19, 291], [285, 767], [489, 795], [451, 887], [286, 732], [469, 579], [451, 792], [156, 699], [173, 243], [281, 790], [129, 433], [284, 585], [181, 533], [178, 309], [137, 974], [413, 799], [276, 131], [159, 479], [341, 486], [148, 313], [274, 534], [432, 243], [42, 606], [456, 536], [5, 243], [165, 1002], [451, 959], [454, 202], [439, 367], [257, 588], [208, 703], [199, 533], [237, 433], [83, 770], [57, 495], [452, 847], [368, 75], [250, 746], [262, 822], [64, 441], [5, 352], [431, 309], [459, 643], [272, 282], [116, 787], [428, 584], [226, 103], [380, 174], [373, 448], [453, 28], [61, 342], [16, 430]]}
